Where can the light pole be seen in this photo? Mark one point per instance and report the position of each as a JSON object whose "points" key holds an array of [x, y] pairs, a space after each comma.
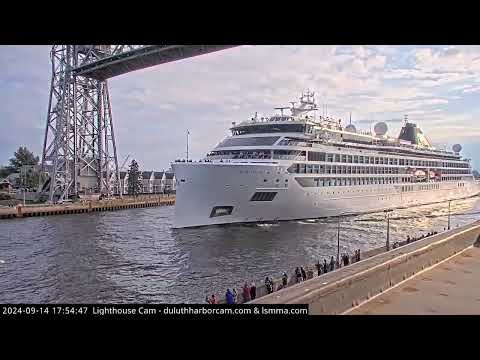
{"points": [[188, 133], [449, 201], [387, 215], [338, 241], [338, 236]]}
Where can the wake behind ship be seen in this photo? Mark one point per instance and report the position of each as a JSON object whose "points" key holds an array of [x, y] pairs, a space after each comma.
{"points": [[301, 166]]}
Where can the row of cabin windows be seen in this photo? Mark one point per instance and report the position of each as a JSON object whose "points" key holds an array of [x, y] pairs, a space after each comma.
{"points": [[303, 168], [452, 178], [420, 187], [454, 171], [319, 182], [361, 159], [339, 169]]}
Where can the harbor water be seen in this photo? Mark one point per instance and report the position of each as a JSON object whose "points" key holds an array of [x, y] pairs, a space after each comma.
{"points": [[134, 256]]}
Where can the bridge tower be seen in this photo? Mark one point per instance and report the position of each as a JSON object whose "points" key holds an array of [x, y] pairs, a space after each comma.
{"points": [[79, 151]]}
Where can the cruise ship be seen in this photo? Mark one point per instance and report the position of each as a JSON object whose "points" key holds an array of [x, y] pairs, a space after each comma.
{"points": [[299, 166]]}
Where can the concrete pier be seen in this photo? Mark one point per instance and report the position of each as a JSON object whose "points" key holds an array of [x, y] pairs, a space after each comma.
{"points": [[87, 206], [450, 288], [341, 290]]}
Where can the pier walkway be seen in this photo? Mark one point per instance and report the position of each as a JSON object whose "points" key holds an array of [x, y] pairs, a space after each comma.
{"points": [[126, 202], [450, 287]]}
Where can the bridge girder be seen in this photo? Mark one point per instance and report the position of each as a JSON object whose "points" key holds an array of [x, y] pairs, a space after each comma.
{"points": [[121, 59]]}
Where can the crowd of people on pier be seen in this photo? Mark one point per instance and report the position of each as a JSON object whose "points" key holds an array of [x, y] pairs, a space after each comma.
{"points": [[423, 236], [249, 291]]}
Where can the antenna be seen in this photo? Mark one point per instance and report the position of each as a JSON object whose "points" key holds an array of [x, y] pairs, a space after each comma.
{"points": [[281, 109], [350, 118]]}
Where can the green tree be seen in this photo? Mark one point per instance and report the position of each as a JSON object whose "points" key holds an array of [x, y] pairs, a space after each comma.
{"points": [[23, 157], [4, 172], [134, 183]]}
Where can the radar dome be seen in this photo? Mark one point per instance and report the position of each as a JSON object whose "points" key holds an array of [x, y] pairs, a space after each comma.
{"points": [[457, 148], [380, 129], [351, 128]]}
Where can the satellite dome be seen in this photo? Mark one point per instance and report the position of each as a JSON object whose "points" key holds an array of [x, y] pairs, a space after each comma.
{"points": [[457, 148], [351, 128], [380, 128]]}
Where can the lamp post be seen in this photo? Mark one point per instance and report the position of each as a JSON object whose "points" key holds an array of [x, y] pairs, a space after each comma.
{"points": [[188, 133], [338, 241], [338, 236], [449, 201], [387, 215]]}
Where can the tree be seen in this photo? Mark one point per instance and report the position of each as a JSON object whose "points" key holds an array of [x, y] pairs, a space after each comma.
{"points": [[476, 174], [23, 157], [4, 172], [134, 182]]}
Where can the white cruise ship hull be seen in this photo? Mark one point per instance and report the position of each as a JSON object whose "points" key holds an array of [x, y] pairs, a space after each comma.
{"points": [[229, 188]]}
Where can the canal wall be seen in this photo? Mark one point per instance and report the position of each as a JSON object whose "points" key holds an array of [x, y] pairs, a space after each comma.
{"points": [[311, 270], [126, 202], [340, 290]]}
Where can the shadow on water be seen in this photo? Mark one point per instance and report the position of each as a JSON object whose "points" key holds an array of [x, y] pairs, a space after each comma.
{"points": [[134, 255]]}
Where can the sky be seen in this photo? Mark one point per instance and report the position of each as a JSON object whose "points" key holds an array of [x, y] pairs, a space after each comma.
{"points": [[437, 87]]}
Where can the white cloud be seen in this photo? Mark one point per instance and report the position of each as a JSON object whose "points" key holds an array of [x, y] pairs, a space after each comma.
{"points": [[206, 93]]}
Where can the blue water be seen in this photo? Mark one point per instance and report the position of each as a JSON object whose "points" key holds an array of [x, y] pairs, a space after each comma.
{"points": [[134, 255]]}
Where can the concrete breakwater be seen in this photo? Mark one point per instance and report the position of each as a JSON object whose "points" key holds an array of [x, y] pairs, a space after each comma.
{"points": [[340, 291], [126, 202], [311, 270]]}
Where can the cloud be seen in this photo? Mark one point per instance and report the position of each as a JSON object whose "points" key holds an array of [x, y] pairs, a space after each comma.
{"points": [[154, 107]]}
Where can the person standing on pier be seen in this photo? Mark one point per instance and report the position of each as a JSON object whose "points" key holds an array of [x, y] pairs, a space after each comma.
{"points": [[325, 268], [332, 264], [246, 292], [298, 274], [235, 296], [269, 285], [284, 279], [253, 291], [213, 299], [229, 297], [304, 274], [319, 268]]}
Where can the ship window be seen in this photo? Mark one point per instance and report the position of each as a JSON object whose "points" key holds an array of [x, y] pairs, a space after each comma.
{"points": [[360, 159], [337, 158], [329, 157], [221, 211], [268, 128], [344, 158], [250, 141], [349, 158], [316, 156], [355, 159], [263, 196]]}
